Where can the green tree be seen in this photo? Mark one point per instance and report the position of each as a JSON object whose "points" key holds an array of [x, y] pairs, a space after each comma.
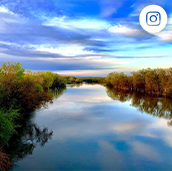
{"points": [[8, 125], [48, 79], [59, 81]]}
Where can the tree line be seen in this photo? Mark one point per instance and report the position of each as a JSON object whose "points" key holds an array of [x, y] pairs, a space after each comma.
{"points": [[152, 81], [77, 80]]}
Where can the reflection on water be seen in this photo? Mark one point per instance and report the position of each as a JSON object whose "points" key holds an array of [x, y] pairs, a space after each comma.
{"points": [[57, 92], [96, 131], [159, 107], [74, 85], [29, 137]]}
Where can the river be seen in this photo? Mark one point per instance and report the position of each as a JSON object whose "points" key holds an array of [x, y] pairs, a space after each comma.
{"points": [[91, 127]]}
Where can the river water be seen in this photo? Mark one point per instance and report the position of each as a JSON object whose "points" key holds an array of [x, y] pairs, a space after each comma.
{"points": [[90, 127]]}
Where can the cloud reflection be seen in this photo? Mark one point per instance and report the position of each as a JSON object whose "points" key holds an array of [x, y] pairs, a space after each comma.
{"points": [[86, 114]]}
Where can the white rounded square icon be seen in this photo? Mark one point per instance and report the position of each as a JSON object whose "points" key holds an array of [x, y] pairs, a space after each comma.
{"points": [[153, 18]]}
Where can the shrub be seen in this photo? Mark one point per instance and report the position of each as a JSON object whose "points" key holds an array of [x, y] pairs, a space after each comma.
{"points": [[8, 124]]}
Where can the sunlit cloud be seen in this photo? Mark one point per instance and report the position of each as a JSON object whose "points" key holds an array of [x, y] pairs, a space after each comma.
{"points": [[65, 50]]}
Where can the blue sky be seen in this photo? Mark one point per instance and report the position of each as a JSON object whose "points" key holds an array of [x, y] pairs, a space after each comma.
{"points": [[82, 37]]}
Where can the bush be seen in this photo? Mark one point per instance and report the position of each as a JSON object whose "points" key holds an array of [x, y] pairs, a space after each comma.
{"points": [[8, 124]]}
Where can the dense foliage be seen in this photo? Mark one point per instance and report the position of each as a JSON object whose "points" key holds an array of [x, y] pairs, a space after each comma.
{"points": [[7, 125], [21, 91], [153, 81]]}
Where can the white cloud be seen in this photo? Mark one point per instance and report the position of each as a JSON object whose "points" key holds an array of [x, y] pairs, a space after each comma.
{"points": [[124, 30], [82, 23], [7, 17], [165, 35], [64, 50], [4, 10]]}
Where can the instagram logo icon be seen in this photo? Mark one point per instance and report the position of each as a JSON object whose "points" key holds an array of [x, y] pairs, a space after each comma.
{"points": [[153, 19]]}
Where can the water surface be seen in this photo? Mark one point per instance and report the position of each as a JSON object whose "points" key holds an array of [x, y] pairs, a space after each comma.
{"points": [[94, 128]]}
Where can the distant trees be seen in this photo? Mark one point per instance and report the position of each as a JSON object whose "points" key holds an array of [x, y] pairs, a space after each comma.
{"points": [[93, 80], [153, 81], [78, 80], [73, 80]]}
